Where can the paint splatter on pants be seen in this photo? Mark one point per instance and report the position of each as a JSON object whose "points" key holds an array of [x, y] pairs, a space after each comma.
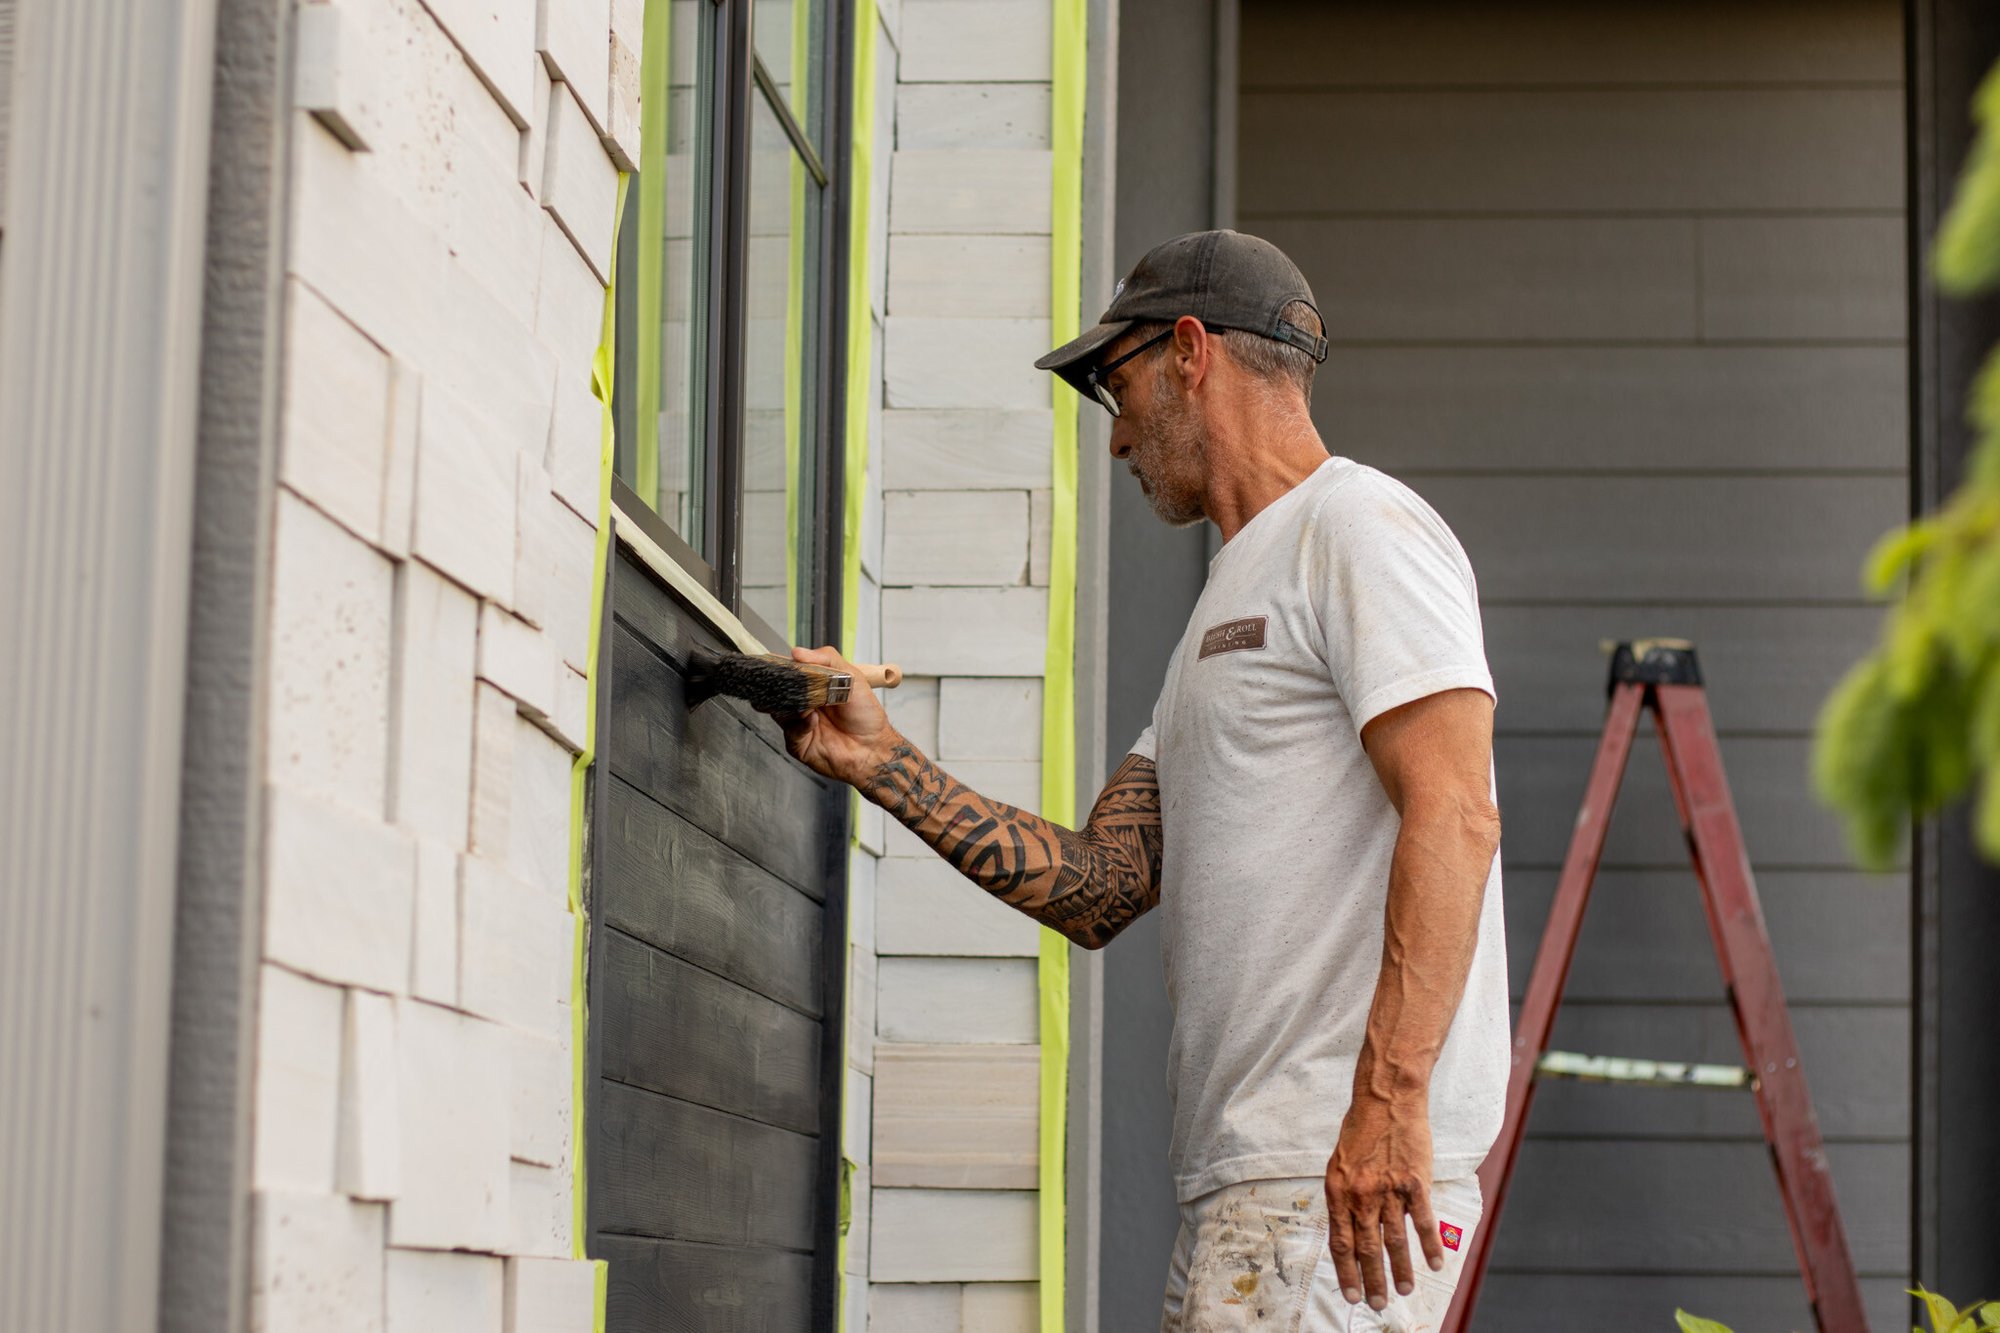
{"points": [[1253, 1256]]}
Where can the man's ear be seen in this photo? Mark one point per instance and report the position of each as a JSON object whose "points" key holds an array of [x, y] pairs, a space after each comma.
{"points": [[1194, 345]]}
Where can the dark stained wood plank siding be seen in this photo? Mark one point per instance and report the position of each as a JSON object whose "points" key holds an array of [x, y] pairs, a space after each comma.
{"points": [[670, 1169], [1619, 289], [702, 901], [707, 766], [671, 1287], [718, 912], [692, 1035]]}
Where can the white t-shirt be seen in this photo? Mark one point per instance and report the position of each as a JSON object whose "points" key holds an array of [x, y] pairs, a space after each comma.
{"points": [[1345, 598]]}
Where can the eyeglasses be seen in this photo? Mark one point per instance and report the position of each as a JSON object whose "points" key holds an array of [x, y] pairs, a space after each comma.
{"points": [[1096, 378]]}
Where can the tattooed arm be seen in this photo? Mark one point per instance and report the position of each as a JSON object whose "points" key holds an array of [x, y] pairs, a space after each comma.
{"points": [[1089, 884]]}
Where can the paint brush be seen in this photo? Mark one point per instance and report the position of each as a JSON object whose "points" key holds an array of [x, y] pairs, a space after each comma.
{"points": [[773, 684]]}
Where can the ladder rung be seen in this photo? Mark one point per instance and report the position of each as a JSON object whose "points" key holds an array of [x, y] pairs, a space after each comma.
{"points": [[1658, 1073]]}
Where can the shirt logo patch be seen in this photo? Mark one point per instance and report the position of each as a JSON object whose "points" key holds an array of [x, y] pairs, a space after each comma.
{"points": [[1233, 636], [1450, 1234]]}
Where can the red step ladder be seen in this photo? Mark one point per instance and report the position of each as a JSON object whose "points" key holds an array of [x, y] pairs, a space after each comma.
{"points": [[1662, 675]]}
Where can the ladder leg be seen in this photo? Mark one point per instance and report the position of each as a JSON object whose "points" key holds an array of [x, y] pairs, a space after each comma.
{"points": [[1545, 983], [1750, 971]]}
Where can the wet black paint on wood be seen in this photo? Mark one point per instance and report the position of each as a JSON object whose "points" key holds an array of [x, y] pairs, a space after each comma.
{"points": [[699, 900], [717, 901], [706, 765], [668, 1168], [693, 1035], [675, 1287]]}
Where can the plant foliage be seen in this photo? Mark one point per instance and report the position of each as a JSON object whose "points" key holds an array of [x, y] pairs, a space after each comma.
{"points": [[1916, 723]]}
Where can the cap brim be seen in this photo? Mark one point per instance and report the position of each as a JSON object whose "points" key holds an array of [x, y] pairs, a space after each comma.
{"points": [[1075, 358]]}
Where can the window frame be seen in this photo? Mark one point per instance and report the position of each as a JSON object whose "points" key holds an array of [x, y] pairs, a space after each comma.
{"points": [[739, 76]]}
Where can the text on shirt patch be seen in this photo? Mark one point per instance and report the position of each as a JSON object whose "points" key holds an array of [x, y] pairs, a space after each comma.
{"points": [[1233, 636]]}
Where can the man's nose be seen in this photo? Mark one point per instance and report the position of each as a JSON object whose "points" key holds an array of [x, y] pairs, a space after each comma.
{"points": [[1121, 444]]}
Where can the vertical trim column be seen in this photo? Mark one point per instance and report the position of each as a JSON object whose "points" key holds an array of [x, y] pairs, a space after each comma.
{"points": [[1083, 1182], [100, 323], [204, 1268], [1956, 1149]]}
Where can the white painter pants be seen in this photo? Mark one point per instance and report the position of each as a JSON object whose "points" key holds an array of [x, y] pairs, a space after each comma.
{"points": [[1253, 1256]]}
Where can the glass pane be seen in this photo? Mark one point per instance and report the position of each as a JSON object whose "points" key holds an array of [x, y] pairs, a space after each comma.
{"points": [[790, 36], [780, 387], [661, 455]]}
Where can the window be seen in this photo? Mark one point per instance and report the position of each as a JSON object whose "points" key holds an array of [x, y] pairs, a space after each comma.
{"points": [[726, 354]]}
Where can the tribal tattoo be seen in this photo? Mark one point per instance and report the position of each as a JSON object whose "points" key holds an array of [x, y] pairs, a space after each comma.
{"points": [[1089, 885]]}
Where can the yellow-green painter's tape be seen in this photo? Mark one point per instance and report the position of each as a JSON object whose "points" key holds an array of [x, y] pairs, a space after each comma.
{"points": [[602, 366], [1071, 36], [854, 471]]}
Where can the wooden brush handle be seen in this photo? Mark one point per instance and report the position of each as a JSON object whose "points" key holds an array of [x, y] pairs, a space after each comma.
{"points": [[880, 675]]}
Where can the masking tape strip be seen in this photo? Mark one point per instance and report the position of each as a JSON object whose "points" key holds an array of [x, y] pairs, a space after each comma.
{"points": [[854, 433], [1071, 36], [719, 617], [602, 365]]}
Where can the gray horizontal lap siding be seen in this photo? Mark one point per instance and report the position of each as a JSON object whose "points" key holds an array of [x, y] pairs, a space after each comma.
{"points": [[1620, 292]]}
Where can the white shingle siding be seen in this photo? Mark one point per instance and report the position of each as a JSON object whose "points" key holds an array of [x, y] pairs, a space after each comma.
{"points": [[339, 891], [431, 599], [369, 1160], [430, 619], [443, 1293], [315, 1264], [296, 1112]]}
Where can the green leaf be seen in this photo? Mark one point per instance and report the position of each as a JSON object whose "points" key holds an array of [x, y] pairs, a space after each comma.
{"points": [[1894, 554], [1695, 1324], [1945, 1316], [1968, 246]]}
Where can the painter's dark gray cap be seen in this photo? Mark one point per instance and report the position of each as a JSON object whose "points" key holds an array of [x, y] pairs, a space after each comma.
{"points": [[1225, 279]]}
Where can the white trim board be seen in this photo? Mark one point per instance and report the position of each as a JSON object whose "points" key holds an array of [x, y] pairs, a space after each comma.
{"points": [[704, 603]]}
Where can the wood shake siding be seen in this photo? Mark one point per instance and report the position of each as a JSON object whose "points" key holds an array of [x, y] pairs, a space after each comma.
{"points": [[1620, 291]]}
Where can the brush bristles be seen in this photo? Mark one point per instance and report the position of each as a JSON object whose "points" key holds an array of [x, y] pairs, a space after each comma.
{"points": [[773, 684]]}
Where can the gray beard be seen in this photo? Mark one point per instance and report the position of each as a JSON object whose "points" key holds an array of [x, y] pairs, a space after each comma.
{"points": [[1178, 450]]}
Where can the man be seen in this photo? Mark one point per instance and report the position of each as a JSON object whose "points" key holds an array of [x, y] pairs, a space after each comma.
{"points": [[1312, 808]]}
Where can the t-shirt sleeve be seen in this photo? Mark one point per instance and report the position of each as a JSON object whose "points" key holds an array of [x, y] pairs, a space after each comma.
{"points": [[1396, 600], [1148, 744]]}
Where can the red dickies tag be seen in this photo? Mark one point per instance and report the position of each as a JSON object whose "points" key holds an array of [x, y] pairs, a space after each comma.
{"points": [[1450, 1234]]}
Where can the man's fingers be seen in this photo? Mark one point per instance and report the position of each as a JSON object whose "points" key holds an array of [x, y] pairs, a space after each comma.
{"points": [[1340, 1243], [1396, 1240], [1426, 1224], [1368, 1255], [826, 657]]}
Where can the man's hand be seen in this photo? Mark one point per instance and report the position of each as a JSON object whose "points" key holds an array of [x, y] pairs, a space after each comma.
{"points": [[847, 742], [1379, 1175]]}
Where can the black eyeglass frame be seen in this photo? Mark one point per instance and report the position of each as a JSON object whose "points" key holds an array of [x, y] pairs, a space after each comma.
{"points": [[1097, 377]]}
